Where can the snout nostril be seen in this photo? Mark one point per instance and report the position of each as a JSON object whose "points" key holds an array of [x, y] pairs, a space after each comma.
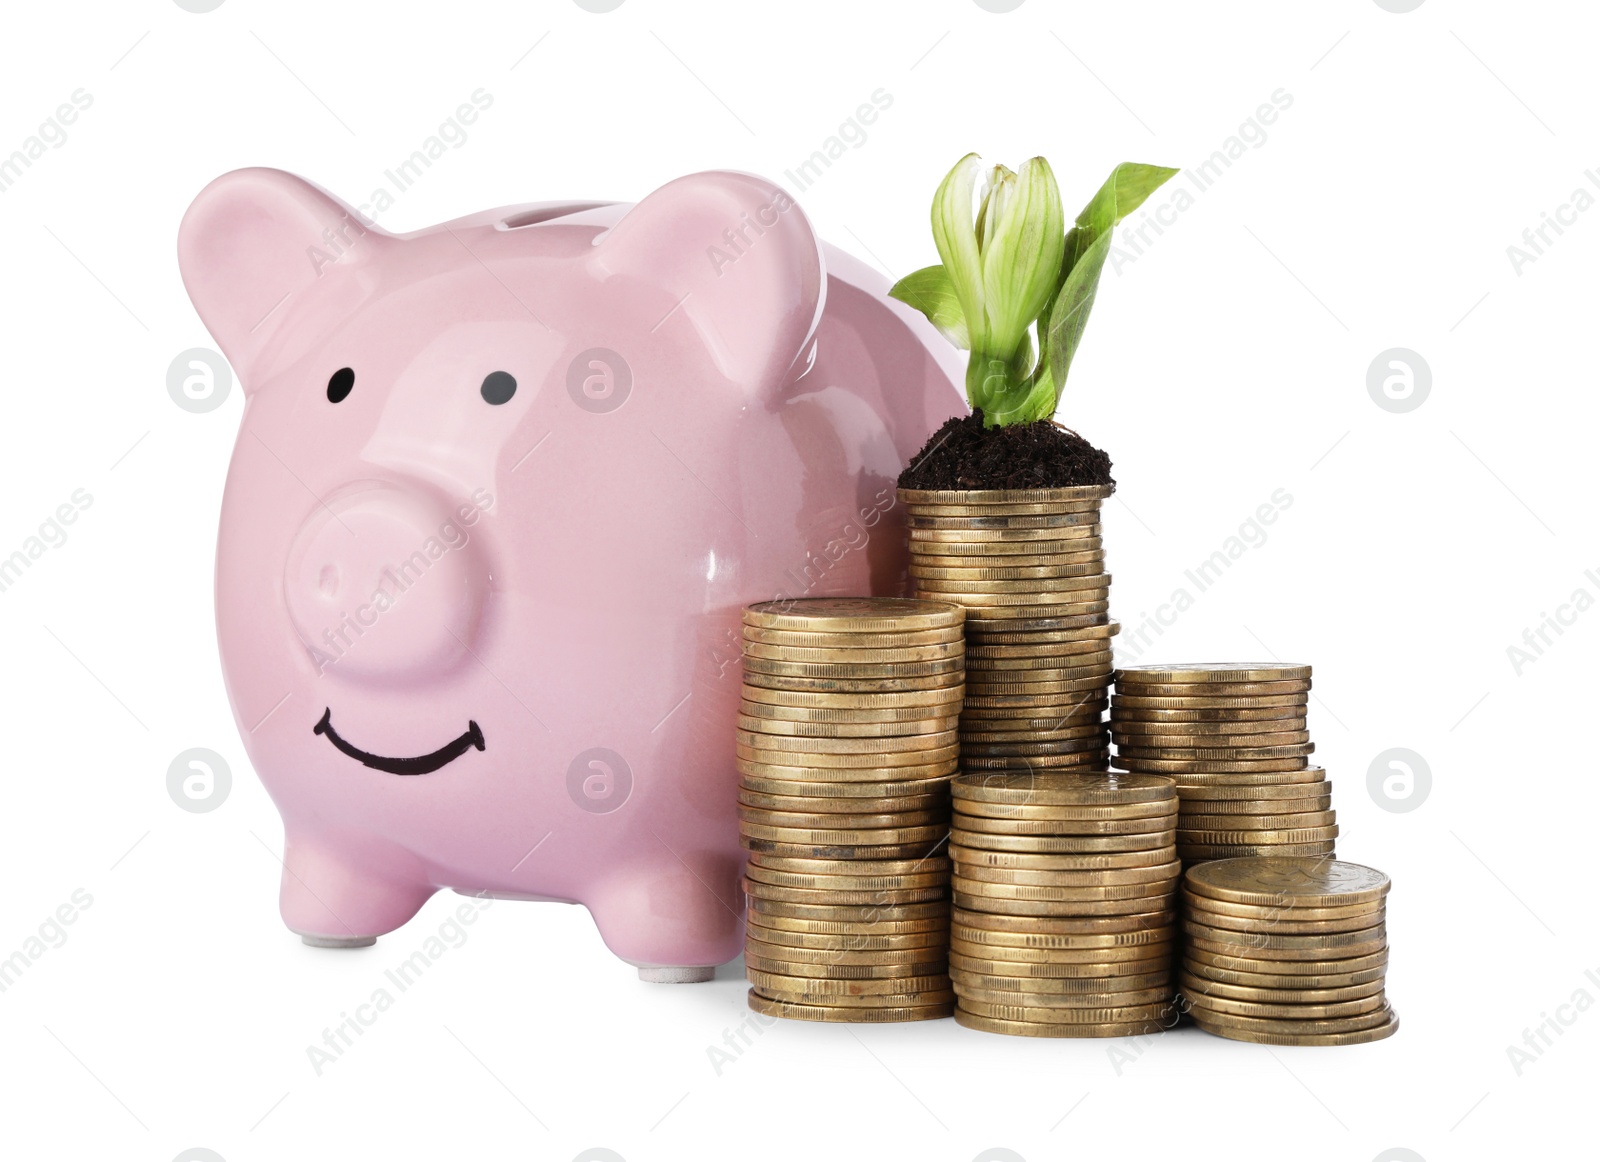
{"points": [[328, 580]]}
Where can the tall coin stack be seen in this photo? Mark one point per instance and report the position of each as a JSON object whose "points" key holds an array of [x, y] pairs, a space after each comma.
{"points": [[1029, 567], [1065, 903], [1287, 951], [1233, 736], [847, 743]]}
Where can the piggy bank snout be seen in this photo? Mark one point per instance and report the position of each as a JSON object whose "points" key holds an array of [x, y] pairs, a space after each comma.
{"points": [[384, 584]]}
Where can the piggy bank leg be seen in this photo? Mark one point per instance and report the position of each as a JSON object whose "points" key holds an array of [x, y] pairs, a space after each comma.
{"points": [[674, 920], [345, 892]]}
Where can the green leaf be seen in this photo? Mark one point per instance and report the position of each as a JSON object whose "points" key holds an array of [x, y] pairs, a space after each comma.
{"points": [[1032, 401], [1071, 311], [930, 291], [957, 241], [1123, 193], [1020, 253]]}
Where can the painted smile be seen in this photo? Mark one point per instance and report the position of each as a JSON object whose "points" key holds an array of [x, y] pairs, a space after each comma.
{"points": [[471, 738]]}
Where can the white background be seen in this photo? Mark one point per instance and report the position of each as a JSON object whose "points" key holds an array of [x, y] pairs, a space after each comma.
{"points": [[1226, 362]]}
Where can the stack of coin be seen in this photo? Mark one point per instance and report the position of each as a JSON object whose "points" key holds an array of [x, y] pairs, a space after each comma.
{"points": [[847, 744], [1029, 568], [1065, 903], [1287, 951], [1233, 736]]}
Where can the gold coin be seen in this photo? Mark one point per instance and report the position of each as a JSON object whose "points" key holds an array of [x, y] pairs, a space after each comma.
{"points": [[1134, 704], [1150, 891], [1221, 798], [1310, 883], [1036, 1029], [1185, 767], [1284, 996], [842, 821], [788, 954], [1004, 943], [1230, 1022], [935, 566], [926, 574], [933, 925], [933, 806], [1039, 614], [843, 836], [784, 983], [1089, 760], [813, 747], [1358, 1037], [1004, 508], [988, 682], [946, 748], [1087, 861], [855, 942], [884, 1015], [1239, 733], [1208, 853], [1271, 946], [921, 700], [1059, 746], [854, 867], [988, 655], [1045, 811], [1059, 844], [1066, 535], [1206, 672], [1196, 837], [1064, 494], [1306, 974], [1010, 954], [1037, 717], [874, 730], [1284, 909], [856, 614], [1284, 923], [996, 585], [888, 897], [1020, 693], [1155, 873], [847, 639], [1057, 825], [1038, 520], [1054, 908], [1212, 690], [856, 914], [829, 791], [1093, 999], [1155, 1011], [1077, 661], [942, 552], [943, 995], [1216, 753], [845, 972], [1220, 824], [1228, 1007], [948, 685], [1138, 717], [854, 670], [964, 980], [840, 850], [1305, 779], [865, 881], [1106, 789], [785, 773], [852, 655], [1075, 730], [907, 718], [1067, 925], [1254, 809]]}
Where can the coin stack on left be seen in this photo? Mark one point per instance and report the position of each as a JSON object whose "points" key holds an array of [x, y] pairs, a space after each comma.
{"points": [[847, 743]]}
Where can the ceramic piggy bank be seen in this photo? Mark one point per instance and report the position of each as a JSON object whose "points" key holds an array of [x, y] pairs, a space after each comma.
{"points": [[501, 490]]}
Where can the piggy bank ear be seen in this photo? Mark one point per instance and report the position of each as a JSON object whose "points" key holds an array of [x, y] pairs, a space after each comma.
{"points": [[739, 258], [256, 246]]}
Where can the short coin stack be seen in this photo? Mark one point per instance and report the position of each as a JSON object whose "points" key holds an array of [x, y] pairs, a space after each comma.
{"points": [[1065, 903], [1029, 567], [846, 746], [1287, 951], [1233, 736]]}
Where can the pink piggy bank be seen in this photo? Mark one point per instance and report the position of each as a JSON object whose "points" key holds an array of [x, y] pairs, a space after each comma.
{"points": [[501, 490]]}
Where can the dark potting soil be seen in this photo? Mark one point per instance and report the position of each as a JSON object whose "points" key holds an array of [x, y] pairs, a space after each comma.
{"points": [[965, 454]]}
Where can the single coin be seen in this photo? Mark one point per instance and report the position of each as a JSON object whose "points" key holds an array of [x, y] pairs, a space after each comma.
{"points": [[788, 954], [988, 655], [1358, 1037], [1039, 520], [1216, 672], [1056, 661], [1311, 883], [1090, 558], [1097, 582], [858, 614], [1005, 508], [853, 914], [1058, 907], [757, 889], [1076, 492], [1254, 809], [1065, 535], [839, 850], [1020, 693], [853, 867], [826, 791], [853, 670], [1278, 996], [801, 804], [1060, 844], [1107, 788], [1006, 943], [841, 821], [1057, 826], [1228, 1021], [1047, 811], [905, 718], [1221, 824], [1067, 925], [1044, 716], [1217, 714], [1089, 760], [941, 551], [846, 639], [949, 684], [1158, 1011], [783, 983], [1337, 972], [1205, 853], [1011, 636], [1050, 877], [1161, 888], [1254, 944], [1212, 690], [1055, 1002], [920, 700], [1290, 986], [884, 1015], [927, 575], [926, 762], [842, 837], [845, 972], [995, 608], [1216, 753], [852, 655], [1284, 909], [1083, 862], [874, 730], [939, 925], [1228, 1007], [1244, 732], [826, 777], [975, 954], [1220, 798], [945, 995], [1075, 730], [1037, 1029], [1302, 778], [963, 979], [1061, 746], [1196, 837], [1133, 704], [1284, 923], [811, 747], [1183, 767], [858, 942]]}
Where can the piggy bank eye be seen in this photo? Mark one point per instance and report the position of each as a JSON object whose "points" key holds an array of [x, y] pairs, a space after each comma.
{"points": [[498, 387], [340, 383]]}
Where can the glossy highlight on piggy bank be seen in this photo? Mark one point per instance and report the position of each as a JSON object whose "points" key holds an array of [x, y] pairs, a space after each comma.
{"points": [[501, 489]]}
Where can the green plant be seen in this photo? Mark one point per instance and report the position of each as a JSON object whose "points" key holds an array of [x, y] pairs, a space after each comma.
{"points": [[1014, 286]]}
